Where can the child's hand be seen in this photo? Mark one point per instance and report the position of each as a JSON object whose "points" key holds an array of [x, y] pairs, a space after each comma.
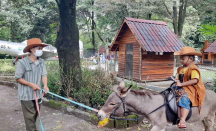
{"points": [[179, 83]]}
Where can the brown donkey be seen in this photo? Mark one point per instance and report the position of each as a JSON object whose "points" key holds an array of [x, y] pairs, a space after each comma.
{"points": [[143, 102]]}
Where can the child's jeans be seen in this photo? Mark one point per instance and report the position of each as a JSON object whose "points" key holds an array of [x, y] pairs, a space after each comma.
{"points": [[184, 101]]}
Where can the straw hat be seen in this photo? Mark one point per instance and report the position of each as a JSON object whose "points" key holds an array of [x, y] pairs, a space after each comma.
{"points": [[32, 43], [188, 51]]}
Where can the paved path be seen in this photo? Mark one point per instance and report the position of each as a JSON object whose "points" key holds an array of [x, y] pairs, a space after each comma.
{"points": [[11, 117]]}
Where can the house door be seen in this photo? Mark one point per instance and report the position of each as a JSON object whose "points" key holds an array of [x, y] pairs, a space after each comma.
{"points": [[215, 60], [129, 60]]}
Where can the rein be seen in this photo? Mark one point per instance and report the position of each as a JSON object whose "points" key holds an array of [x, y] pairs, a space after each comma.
{"points": [[38, 110], [140, 118]]}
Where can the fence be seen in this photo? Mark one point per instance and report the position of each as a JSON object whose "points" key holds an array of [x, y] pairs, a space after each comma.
{"points": [[208, 72], [107, 65]]}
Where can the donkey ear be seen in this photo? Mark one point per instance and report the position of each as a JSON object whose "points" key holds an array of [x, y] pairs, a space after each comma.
{"points": [[115, 88], [122, 84], [125, 91]]}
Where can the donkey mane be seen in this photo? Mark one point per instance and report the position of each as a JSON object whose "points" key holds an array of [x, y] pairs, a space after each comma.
{"points": [[144, 93]]}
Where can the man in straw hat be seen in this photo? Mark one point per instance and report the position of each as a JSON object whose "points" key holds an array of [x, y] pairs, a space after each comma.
{"points": [[30, 72], [192, 91]]}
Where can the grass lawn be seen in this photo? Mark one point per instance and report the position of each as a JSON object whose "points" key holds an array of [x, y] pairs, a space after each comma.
{"points": [[207, 74], [7, 68]]}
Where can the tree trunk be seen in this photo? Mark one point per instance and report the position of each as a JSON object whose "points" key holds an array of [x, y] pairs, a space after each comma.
{"points": [[175, 25], [93, 28], [149, 16], [12, 31], [67, 44], [182, 12]]}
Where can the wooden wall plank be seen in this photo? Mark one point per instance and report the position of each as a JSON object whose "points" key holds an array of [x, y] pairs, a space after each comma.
{"points": [[136, 61], [157, 66]]}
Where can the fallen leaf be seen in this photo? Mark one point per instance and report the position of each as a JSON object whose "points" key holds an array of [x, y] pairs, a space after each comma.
{"points": [[145, 121], [128, 128], [139, 129], [143, 125], [60, 121], [58, 127], [20, 126]]}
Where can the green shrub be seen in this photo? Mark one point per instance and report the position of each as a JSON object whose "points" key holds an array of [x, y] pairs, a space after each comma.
{"points": [[214, 87], [95, 87], [7, 68], [134, 84], [53, 76]]}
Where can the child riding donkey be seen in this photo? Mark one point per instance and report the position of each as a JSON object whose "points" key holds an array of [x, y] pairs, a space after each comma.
{"points": [[152, 105], [192, 91]]}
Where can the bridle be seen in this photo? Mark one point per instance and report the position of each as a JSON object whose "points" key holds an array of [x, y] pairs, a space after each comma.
{"points": [[126, 113]]}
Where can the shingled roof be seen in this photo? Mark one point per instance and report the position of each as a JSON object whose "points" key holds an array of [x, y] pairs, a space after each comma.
{"points": [[153, 36], [211, 48]]}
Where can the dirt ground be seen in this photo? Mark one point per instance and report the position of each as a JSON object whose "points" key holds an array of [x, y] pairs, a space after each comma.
{"points": [[11, 118]]}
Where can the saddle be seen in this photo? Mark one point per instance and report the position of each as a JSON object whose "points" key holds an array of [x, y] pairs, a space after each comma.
{"points": [[172, 107]]}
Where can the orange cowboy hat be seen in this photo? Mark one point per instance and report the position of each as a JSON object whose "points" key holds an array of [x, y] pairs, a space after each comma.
{"points": [[188, 51], [32, 43]]}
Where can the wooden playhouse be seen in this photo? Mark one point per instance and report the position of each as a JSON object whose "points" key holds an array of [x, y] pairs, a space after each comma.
{"points": [[209, 53], [146, 49]]}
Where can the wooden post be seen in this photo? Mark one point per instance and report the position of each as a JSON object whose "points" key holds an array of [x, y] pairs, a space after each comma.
{"points": [[99, 56], [85, 63], [107, 62], [209, 56], [203, 57], [140, 69]]}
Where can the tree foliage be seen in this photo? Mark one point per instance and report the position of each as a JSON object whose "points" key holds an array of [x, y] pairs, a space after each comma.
{"points": [[22, 19], [99, 20], [209, 30], [30, 18]]}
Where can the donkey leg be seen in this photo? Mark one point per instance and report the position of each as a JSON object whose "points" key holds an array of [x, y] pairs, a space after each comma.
{"points": [[209, 122], [158, 128], [155, 128]]}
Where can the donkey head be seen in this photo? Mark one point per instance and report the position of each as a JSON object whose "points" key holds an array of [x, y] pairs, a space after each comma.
{"points": [[114, 102]]}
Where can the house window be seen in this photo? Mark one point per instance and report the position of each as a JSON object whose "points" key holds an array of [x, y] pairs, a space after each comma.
{"points": [[206, 56]]}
